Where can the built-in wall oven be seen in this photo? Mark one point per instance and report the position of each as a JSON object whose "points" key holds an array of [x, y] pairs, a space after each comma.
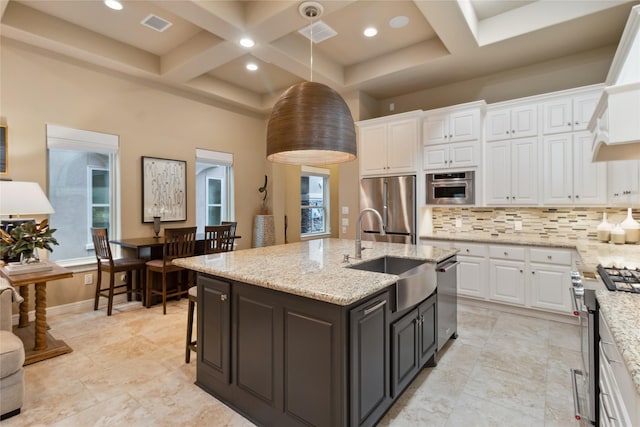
{"points": [[451, 188], [585, 378]]}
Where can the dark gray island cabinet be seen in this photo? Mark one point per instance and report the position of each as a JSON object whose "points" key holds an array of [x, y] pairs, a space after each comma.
{"points": [[286, 360]]}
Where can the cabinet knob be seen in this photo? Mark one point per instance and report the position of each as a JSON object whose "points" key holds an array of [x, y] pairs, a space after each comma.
{"points": [[450, 136], [467, 250], [521, 271], [548, 256], [569, 196], [507, 197], [513, 131], [577, 197], [533, 272], [506, 254], [569, 124], [223, 297], [577, 123], [450, 161], [507, 132]]}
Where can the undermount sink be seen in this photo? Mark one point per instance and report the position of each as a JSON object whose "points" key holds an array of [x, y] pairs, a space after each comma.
{"points": [[416, 278]]}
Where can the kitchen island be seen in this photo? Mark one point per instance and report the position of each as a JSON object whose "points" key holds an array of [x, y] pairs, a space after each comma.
{"points": [[289, 335]]}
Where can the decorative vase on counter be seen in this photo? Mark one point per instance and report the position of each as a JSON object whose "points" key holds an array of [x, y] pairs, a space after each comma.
{"points": [[618, 235], [631, 228], [604, 229]]}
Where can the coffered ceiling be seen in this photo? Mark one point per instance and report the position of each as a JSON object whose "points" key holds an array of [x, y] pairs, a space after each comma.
{"points": [[444, 41]]}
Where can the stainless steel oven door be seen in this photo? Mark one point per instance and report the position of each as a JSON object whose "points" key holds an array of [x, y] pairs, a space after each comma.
{"points": [[458, 192], [582, 378]]}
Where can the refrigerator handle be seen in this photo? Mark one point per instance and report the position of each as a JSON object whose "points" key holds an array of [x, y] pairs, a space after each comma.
{"points": [[385, 208]]}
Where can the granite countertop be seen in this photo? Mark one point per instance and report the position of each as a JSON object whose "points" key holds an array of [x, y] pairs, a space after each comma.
{"points": [[312, 269], [620, 309]]}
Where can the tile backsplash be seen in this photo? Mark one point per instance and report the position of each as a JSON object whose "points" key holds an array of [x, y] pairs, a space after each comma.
{"points": [[569, 222]]}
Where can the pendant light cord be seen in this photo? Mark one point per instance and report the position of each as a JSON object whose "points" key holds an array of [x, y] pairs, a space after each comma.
{"points": [[311, 49]]}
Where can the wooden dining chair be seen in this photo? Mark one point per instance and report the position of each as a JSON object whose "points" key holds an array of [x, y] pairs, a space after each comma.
{"points": [[217, 238], [234, 226], [178, 243], [106, 264]]}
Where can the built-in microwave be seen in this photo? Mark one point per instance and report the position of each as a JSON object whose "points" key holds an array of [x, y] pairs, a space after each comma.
{"points": [[452, 188]]}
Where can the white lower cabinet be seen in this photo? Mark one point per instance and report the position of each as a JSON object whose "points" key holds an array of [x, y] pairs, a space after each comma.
{"points": [[530, 277], [619, 398], [472, 269], [507, 281]]}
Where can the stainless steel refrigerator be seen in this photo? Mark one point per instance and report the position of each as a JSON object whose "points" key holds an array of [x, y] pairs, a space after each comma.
{"points": [[395, 198]]}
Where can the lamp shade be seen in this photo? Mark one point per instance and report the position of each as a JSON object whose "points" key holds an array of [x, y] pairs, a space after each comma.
{"points": [[23, 198], [311, 125]]}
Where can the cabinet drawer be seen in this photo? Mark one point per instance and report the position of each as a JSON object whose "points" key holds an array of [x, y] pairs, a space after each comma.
{"points": [[471, 249], [507, 252], [550, 256], [436, 243]]}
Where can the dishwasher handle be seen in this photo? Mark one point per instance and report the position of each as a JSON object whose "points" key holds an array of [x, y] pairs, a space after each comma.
{"points": [[446, 267], [576, 399]]}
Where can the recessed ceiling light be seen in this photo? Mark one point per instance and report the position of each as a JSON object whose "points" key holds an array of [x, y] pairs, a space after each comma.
{"points": [[113, 4], [251, 66], [247, 42], [398, 21], [370, 32]]}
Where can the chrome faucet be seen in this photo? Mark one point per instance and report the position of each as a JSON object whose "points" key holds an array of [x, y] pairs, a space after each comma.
{"points": [[359, 229]]}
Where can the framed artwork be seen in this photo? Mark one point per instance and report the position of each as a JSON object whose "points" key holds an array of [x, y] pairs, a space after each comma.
{"points": [[164, 189], [3, 149]]}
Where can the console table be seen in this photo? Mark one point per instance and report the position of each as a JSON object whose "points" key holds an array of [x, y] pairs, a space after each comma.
{"points": [[44, 345]]}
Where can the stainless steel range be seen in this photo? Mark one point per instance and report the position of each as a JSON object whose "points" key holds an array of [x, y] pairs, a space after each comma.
{"points": [[620, 278]]}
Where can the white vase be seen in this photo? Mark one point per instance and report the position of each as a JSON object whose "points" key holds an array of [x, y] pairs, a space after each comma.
{"points": [[618, 235], [604, 229], [631, 228]]}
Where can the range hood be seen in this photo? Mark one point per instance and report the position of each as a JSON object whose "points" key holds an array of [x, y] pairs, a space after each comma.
{"points": [[616, 121], [616, 124]]}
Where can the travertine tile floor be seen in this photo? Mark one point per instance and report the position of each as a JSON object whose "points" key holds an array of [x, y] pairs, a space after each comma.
{"points": [[129, 370]]}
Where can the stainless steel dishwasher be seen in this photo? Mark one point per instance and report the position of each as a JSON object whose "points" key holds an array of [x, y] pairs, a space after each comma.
{"points": [[447, 300]]}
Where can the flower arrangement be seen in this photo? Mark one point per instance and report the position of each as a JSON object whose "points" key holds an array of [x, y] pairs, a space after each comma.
{"points": [[23, 240]]}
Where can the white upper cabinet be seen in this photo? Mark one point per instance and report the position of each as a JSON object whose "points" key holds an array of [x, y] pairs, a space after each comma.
{"points": [[623, 183], [511, 172], [454, 124], [456, 155], [570, 113], [389, 145], [569, 176], [514, 122]]}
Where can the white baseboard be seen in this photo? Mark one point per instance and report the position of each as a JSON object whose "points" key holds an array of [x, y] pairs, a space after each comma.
{"points": [[524, 311], [77, 307]]}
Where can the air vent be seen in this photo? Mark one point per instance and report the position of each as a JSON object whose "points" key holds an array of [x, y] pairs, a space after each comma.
{"points": [[321, 32], [156, 23]]}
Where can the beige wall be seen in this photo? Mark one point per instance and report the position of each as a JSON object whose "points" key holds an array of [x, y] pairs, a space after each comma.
{"points": [[582, 69], [37, 89]]}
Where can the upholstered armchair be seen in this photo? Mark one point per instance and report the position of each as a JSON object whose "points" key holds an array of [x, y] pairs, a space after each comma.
{"points": [[11, 356]]}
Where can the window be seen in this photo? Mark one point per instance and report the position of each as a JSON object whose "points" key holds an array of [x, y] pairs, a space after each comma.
{"points": [[314, 201], [214, 188], [214, 201], [82, 190]]}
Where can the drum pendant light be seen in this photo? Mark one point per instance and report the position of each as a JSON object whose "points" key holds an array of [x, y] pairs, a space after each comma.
{"points": [[311, 124]]}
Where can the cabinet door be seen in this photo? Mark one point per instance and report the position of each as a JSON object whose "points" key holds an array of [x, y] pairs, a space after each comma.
{"points": [[464, 154], [524, 121], [498, 173], [507, 281], [589, 179], [428, 325], [373, 149], [405, 351], [464, 125], [549, 287], [436, 156], [623, 182], [498, 124], [558, 116], [214, 317], [524, 171], [472, 276], [370, 388], [558, 165], [583, 109], [436, 128], [402, 146]]}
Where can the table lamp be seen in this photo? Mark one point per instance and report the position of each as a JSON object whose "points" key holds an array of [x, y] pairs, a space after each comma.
{"points": [[23, 198]]}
